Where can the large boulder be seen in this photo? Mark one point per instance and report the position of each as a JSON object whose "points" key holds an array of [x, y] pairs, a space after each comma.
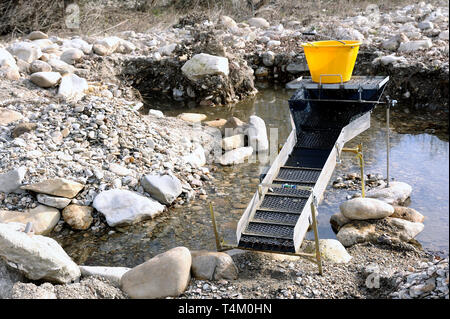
{"points": [[355, 232], [106, 46], [26, 51], [72, 87], [236, 156], [408, 214], [164, 275], [257, 134], [8, 277], [57, 187], [337, 220], [396, 193], [208, 265], [403, 229], [365, 208], [123, 207], [6, 59], [205, 64], [331, 250], [38, 257], [44, 218], [164, 188], [72, 55], [10, 181]]}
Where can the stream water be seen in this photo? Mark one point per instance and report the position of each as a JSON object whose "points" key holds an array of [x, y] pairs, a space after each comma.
{"points": [[417, 158]]}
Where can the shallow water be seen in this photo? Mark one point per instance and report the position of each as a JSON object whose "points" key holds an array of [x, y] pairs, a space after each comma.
{"points": [[421, 160]]}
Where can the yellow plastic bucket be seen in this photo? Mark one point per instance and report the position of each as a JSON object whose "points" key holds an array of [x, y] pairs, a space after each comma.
{"points": [[331, 61]]}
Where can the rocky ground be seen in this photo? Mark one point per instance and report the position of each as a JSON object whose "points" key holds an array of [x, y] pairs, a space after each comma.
{"points": [[73, 139]]}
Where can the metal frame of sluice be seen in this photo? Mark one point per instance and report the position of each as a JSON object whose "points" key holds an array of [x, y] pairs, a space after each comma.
{"points": [[323, 117]]}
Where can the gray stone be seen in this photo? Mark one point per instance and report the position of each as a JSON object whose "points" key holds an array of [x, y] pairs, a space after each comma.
{"points": [[53, 201], [164, 188], [72, 87], [8, 277], [337, 220], [208, 265], [268, 58], [12, 180], [57, 187], [38, 257], [396, 193], [39, 66], [355, 232], [71, 56], [259, 23], [45, 79], [236, 156], [78, 217], [43, 218], [122, 207], [331, 250], [26, 51], [113, 274], [257, 134], [61, 67], [164, 275], [205, 64], [405, 230], [365, 208]]}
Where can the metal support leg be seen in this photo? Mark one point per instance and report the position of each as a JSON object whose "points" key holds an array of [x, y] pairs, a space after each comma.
{"points": [[216, 233], [359, 153], [316, 237], [387, 143]]}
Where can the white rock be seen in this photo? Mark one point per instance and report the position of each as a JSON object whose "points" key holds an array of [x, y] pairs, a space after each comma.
{"points": [[365, 208], [122, 207], [257, 134], [6, 59], [407, 230], [71, 56], [45, 79], [228, 22], [232, 142], [164, 188], [412, 46], [425, 25], [106, 46], [396, 193], [348, 34], [78, 43], [38, 257], [60, 66], [156, 113], [26, 51], [273, 43], [236, 156], [259, 23], [204, 64], [330, 249], [196, 158], [113, 274], [12, 180], [211, 265], [72, 87], [125, 47], [192, 117], [151, 280], [43, 218]]}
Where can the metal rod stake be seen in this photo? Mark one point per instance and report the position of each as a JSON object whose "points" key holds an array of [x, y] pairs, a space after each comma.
{"points": [[387, 143], [316, 236]]}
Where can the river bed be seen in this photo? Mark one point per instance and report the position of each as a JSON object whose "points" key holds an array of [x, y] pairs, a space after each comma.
{"points": [[418, 158]]}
